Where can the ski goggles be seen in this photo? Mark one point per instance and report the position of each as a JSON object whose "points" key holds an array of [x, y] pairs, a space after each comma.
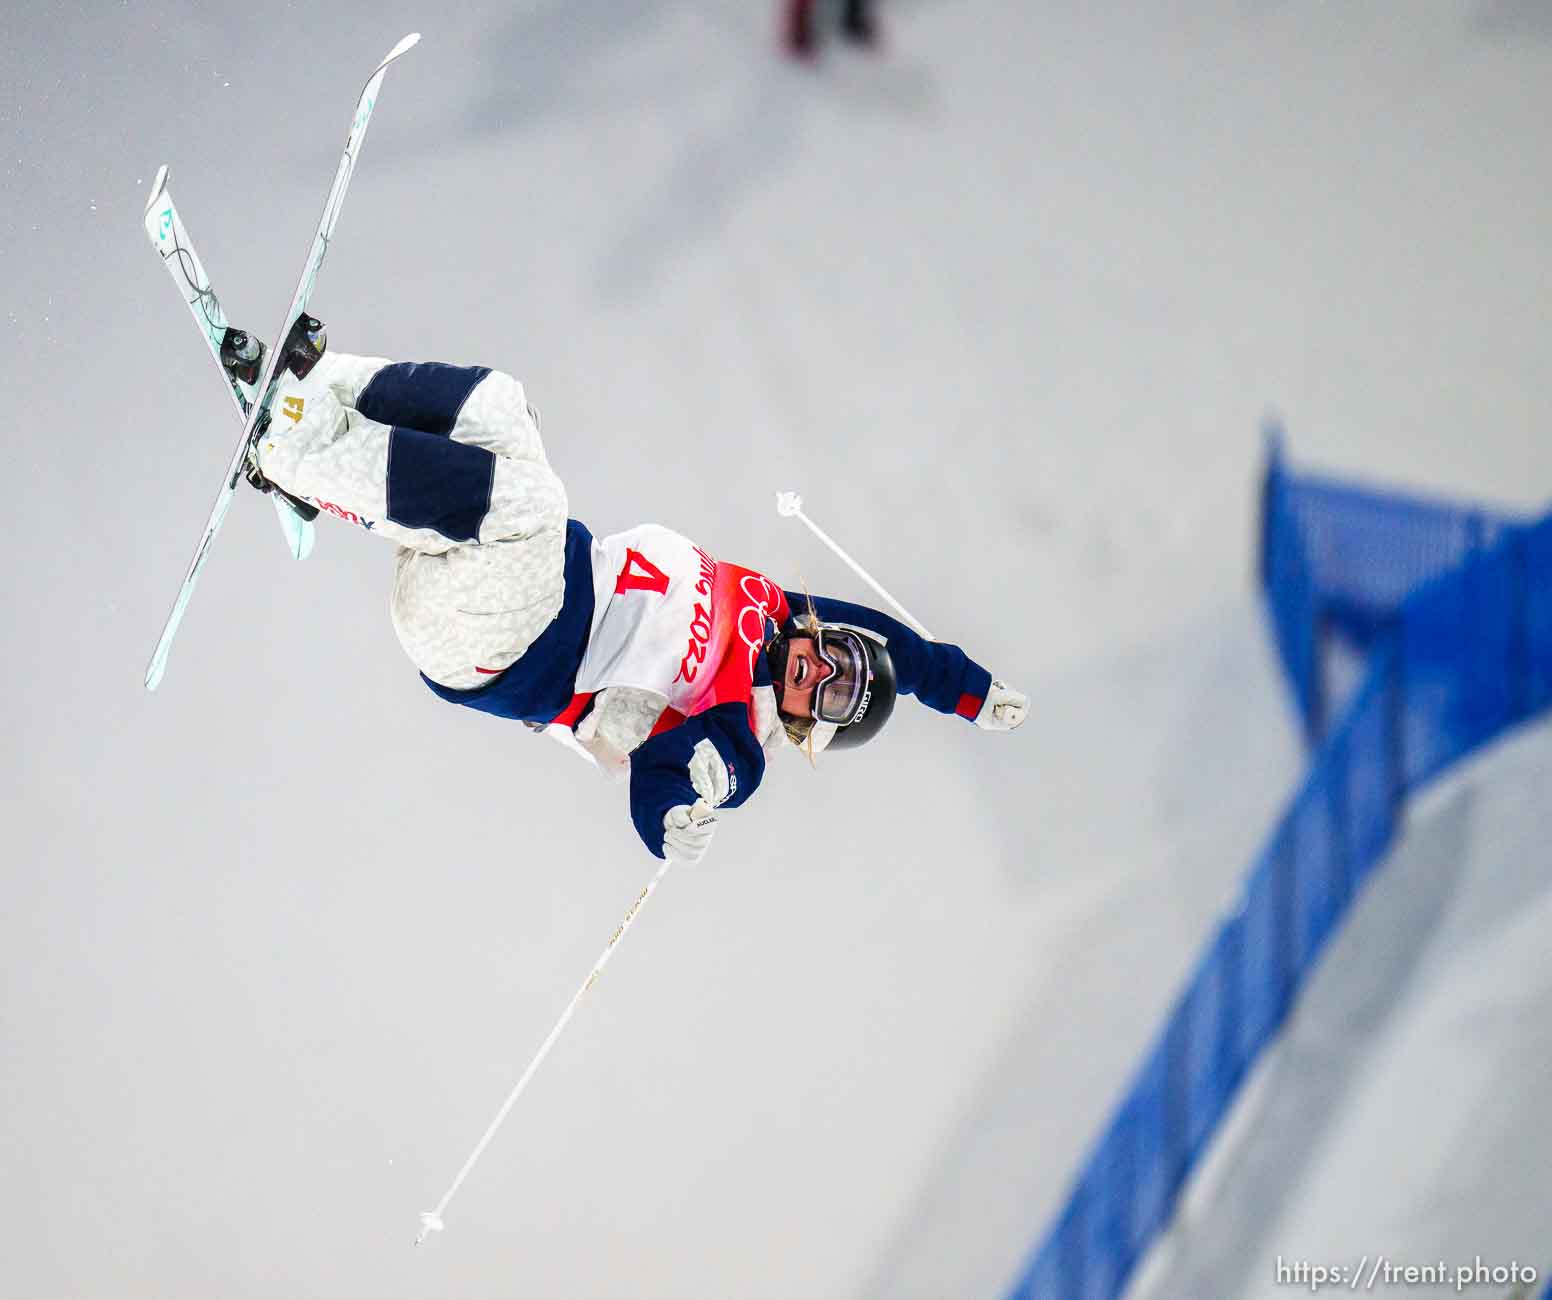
{"points": [[842, 696]]}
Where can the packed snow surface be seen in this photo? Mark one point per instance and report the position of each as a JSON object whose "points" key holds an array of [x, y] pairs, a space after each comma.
{"points": [[1006, 304]]}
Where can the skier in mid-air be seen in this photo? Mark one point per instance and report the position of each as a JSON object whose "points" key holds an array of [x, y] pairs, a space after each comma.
{"points": [[681, 670]]}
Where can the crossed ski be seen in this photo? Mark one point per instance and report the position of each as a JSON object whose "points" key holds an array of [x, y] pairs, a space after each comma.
{"points": [[170, 239]]}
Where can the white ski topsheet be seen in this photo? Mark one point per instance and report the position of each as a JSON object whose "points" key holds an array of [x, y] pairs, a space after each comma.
{"points": [[169, 237], [320, 247], [165, 229]]}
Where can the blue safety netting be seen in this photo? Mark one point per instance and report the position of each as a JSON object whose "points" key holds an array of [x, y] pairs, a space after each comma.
{"points": [[1340, 560], [1451, 607]]}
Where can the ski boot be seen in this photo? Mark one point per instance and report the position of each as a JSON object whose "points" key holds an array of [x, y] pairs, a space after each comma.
{"points": [[305, 345], [256, 479], [243, 355]]}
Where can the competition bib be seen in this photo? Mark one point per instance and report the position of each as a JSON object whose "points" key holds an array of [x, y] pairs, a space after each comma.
{"points": [[669, 618]]}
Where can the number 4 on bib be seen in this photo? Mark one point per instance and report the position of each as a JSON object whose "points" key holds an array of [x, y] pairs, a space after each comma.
{"points": [[640, 574]]}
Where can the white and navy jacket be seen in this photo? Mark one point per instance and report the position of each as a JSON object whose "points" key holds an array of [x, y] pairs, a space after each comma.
{"points": [[558, 678], [641, 643]]}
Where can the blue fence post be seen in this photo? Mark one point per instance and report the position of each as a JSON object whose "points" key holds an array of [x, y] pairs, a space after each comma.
{"points": [[1271, 479], [1287, 582]]}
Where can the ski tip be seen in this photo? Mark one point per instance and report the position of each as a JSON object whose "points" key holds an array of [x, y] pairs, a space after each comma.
{"points": [[408, 43], [157, 186], [158, 665]]}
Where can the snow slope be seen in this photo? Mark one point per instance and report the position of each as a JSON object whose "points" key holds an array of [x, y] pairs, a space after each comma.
{"points": [[276, 941], [1401, 1114]]}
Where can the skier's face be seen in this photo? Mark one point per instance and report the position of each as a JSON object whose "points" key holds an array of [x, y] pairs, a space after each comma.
{"points": [[805, 671]]}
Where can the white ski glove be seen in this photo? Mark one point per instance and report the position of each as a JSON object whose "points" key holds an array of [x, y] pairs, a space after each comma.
{"points": [[1003, 709], [687, 831], [687, 828]]}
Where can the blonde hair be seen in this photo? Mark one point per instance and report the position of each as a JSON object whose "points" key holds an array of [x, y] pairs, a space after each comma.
{"points": [[800, 731]]}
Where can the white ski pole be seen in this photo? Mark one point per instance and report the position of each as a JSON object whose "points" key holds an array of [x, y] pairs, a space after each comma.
{"points": [[431, 1220], [790, 505]]}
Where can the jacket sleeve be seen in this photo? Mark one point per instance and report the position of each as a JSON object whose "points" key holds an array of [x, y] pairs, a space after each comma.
{"points": [[660, 767], [940, 675]]}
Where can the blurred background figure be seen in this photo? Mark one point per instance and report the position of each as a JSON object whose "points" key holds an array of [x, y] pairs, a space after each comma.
{"points": [[858, 23]]}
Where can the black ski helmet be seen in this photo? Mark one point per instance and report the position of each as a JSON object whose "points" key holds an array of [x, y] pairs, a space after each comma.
{"points": [[859, 694]]}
